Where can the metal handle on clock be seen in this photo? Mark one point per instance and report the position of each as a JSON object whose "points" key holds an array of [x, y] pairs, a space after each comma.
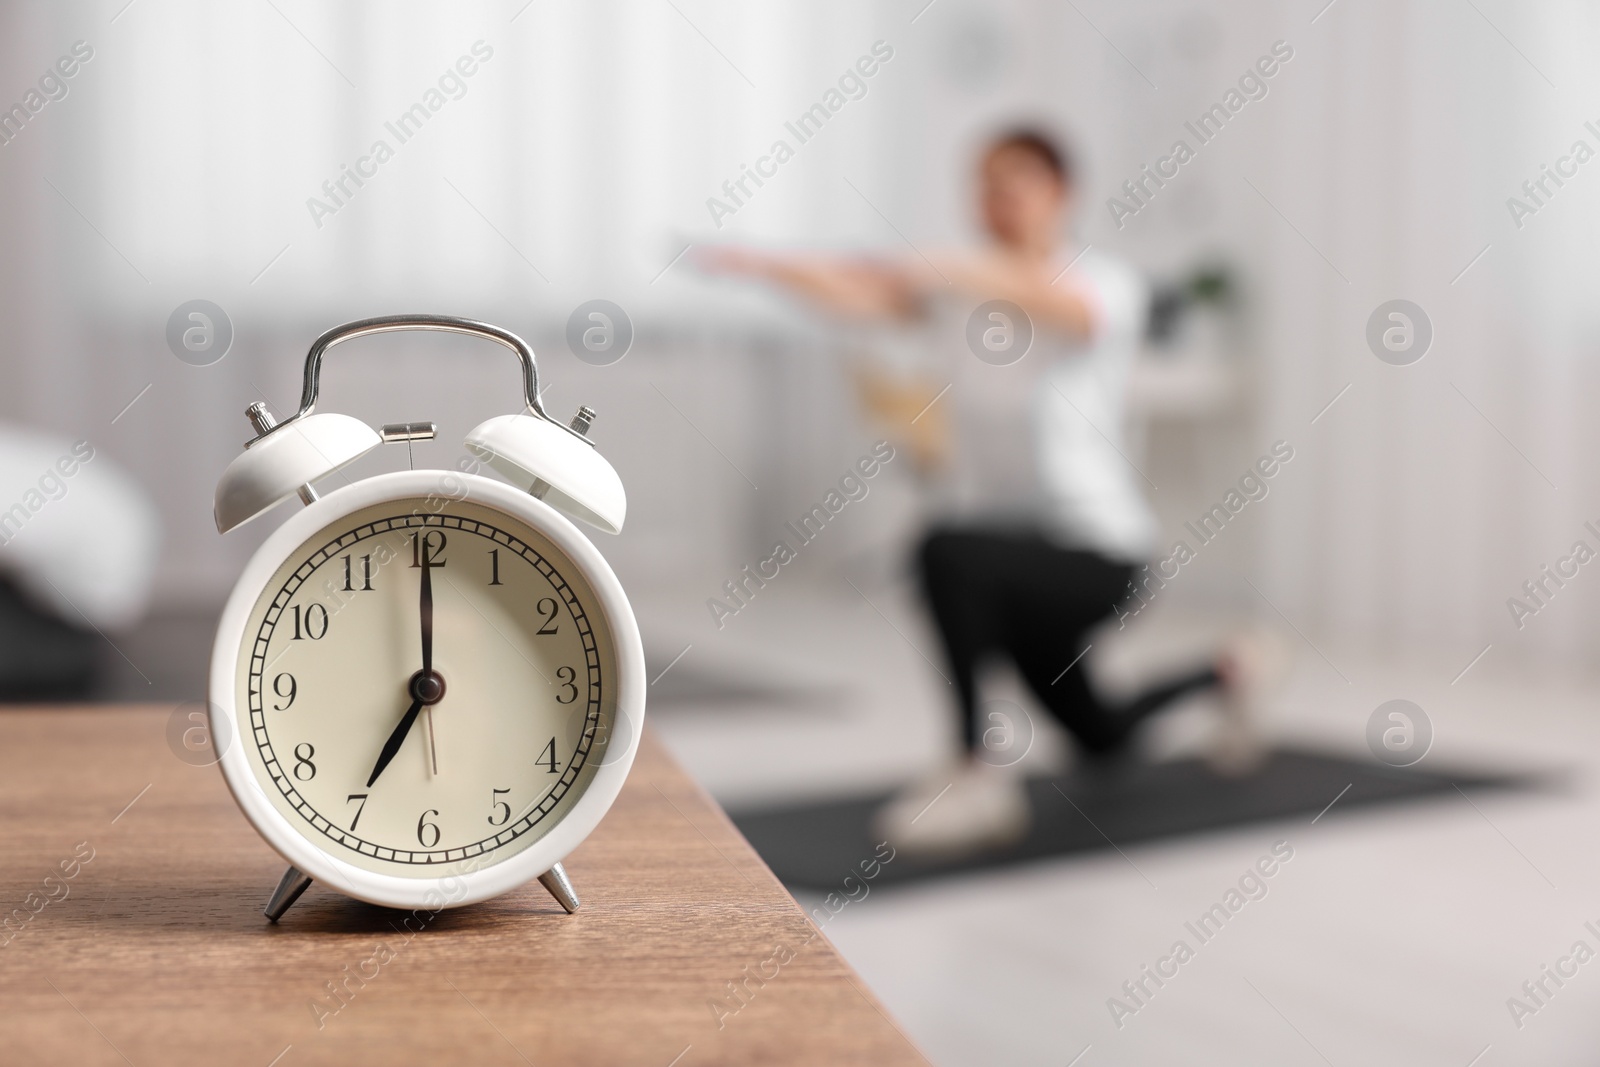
{"points": [[431, 323]]}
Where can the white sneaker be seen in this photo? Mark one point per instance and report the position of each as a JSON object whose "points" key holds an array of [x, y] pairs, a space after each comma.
{"points": [[964, 809], [1252, 666]]}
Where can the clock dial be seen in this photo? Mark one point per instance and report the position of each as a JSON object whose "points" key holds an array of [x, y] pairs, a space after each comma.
{"points": [[423, 684]]}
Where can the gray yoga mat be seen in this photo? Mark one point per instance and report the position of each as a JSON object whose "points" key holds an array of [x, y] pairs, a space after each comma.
{"points": [[815, 845]]}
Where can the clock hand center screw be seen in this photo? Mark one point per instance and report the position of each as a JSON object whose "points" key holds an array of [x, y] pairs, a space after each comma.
{"points": [[427, 686]]}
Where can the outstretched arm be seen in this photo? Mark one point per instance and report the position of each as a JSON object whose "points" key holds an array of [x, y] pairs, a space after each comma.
{"points": [[859, 287]]}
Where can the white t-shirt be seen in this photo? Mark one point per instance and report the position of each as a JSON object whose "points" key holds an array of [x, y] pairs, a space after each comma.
{"points": [[1039, 442]]}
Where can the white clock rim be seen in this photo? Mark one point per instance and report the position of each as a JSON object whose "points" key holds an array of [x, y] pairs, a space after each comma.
{"points": [[453, 888]]}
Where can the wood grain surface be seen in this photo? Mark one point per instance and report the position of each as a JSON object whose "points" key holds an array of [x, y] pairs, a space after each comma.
{"points": [[155, 952]]}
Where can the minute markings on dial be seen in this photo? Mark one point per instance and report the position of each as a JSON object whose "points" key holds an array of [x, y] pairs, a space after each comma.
{"points": [[536, 810]]}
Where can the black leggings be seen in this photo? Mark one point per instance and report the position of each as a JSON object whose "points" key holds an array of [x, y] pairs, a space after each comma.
{"points": [[1017, 594]]}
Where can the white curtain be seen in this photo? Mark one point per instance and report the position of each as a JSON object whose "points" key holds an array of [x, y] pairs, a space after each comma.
{"points": [[1431, 492], [575, 160]]}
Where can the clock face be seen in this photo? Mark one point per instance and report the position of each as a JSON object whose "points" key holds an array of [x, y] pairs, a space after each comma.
{"points": [[397, 770]]}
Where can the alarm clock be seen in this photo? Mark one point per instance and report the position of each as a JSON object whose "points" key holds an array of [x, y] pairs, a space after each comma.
{"points": [[427, 685]]}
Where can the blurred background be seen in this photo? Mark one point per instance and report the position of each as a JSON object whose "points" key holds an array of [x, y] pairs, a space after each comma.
{"points": [[195, 153]]}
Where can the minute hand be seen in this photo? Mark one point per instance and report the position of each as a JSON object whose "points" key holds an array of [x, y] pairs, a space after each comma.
{"points": [[425, 607]]}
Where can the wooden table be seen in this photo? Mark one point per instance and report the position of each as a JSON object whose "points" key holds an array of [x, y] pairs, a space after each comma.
{"points": [[155, 951]]}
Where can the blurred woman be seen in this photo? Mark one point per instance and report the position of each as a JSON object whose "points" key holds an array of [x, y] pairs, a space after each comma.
{"points": [[1048, 522]]}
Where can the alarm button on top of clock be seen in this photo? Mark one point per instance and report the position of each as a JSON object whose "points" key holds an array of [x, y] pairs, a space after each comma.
{"points": [[572, 476], [282, 458]]}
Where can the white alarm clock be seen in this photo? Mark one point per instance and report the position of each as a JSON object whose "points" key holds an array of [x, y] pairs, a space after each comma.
{"points": [[427, 686]]}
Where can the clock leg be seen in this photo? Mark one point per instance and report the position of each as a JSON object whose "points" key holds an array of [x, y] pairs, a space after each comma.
{"points": [[290, 886], [559, 885]]}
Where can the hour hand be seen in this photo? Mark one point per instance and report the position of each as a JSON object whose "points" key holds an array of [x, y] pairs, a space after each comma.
{"points": [[426, 689], [396, 739]]}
